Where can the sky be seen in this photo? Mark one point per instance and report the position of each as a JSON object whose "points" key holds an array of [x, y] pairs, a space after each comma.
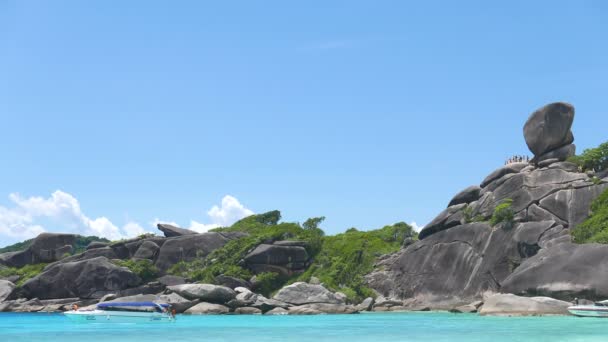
{"points": [[116, 115]]}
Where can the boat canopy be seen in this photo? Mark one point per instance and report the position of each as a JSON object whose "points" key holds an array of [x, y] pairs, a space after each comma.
{"points": [[131, 304]]}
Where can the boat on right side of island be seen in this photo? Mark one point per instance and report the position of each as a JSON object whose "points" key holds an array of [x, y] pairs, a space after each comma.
{"points": [[597, 309]]}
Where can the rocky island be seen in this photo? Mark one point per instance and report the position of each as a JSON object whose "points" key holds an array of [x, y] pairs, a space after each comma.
{"points": [[527, 240]]}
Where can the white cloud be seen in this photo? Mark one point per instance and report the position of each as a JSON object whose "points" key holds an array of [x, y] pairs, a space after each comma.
{"points": [[63, 211], [416, 226], [231, 210], [29, 216], [228, 212]]}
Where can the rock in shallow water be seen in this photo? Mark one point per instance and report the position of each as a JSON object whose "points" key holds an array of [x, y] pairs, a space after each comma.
{"points": [[207, 309], [506, 304], [303, 293]]}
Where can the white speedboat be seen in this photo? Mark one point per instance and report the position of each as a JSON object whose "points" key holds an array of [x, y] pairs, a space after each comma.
{"points": [[598, 309], [124, 312]]}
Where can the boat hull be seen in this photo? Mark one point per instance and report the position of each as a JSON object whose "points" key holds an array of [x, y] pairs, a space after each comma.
{"points": [[588, 311], [101, 316]]}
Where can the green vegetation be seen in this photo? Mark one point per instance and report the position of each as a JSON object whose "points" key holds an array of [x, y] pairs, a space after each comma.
{"points": [[345, 258], [467, 214], [503, 213], [261, 228], [25, 273], [144, 269], [592, 159], [339, 261], [83, 241], [19, 246], [595, 227], [268, 282]]}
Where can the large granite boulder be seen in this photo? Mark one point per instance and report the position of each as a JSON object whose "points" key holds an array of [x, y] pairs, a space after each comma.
{"points": [[147, 250], [207, 309], [548, 128], [323, 308], [6, 288], [173, 231], [46, 247], [565, 271], [466, 196], [450, 217], [455, 266], [90, 278], [284, 259], [204, 292], [189, 247], [303, 293], [231, 282], [505, 304]]}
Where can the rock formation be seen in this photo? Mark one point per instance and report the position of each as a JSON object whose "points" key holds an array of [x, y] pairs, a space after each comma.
{"points": [[172, 231], [460, 255], [90, 278], [547, 132]]}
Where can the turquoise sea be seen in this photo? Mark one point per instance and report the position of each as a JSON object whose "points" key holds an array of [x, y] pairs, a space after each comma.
{"points": [[420, 326]]}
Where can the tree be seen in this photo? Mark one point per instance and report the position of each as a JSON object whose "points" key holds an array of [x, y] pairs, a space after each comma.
{"points": [[313, 223]]}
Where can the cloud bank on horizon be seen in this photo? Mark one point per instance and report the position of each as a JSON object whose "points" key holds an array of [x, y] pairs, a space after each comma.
{"points": [[29, 216]]}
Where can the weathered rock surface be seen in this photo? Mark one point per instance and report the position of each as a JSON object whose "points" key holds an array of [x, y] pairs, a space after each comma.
{"points": [[147, 250], [173, 231], [277, 311], [46, 247], [506, 304], [548, 128], [450, 217], [366, 305], [467, 195], [170, 280], [189, 247], [207, 309], [204, 292], [468, 308], [280, 258], [97, 244], [565, 272], [303, 293], [90, 278], [456, 266], [248, 311], [6, 288], [323, 308], [231, 282]]}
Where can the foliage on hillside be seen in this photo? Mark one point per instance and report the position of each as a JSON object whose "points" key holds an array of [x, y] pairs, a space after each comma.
{"points": [[261, 228], [79, 246], [595, 159], [345, 258], [144, 269], [25, 273], [595, 227], [339, 261], [503, 213]]}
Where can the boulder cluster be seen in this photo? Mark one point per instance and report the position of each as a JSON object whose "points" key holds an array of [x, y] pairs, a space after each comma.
{"points": [[95, 276], [463, 254]]}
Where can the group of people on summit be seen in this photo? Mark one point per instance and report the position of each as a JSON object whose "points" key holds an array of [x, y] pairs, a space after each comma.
{"points": [[518, 159]]}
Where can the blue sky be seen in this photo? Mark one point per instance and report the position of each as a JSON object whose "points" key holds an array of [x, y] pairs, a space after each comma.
{"points": [[119, 114]]}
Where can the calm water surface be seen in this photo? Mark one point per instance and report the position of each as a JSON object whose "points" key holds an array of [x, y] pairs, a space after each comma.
{"points": [[422, 326]]}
